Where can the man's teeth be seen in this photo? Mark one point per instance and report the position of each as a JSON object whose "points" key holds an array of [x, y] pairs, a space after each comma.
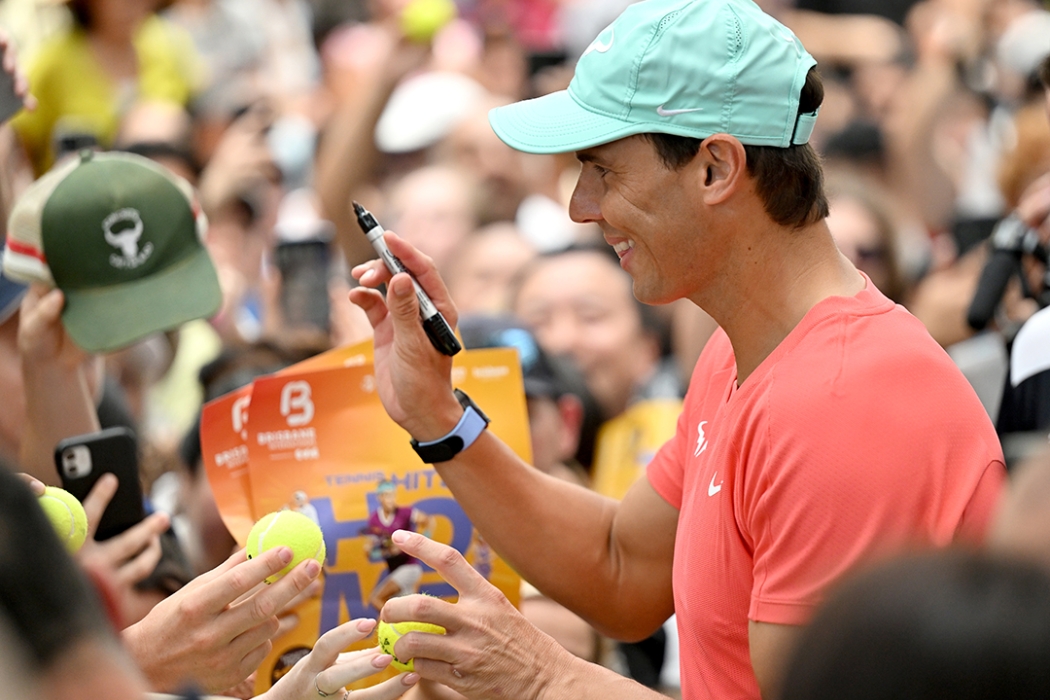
{"points": [[623, 246]]}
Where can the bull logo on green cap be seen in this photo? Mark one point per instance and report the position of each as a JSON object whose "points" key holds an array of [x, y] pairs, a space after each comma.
{"points": [[126, 239]]}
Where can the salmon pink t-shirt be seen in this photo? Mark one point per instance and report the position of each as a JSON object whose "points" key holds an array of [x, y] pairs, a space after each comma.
{"points": [[855, 438]]}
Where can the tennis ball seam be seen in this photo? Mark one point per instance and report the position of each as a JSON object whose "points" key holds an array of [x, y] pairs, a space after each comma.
{"points": [[69, 512]]}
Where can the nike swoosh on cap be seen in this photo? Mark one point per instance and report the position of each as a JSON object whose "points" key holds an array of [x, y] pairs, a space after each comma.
{"points": [[599, 46], [671, 112]]}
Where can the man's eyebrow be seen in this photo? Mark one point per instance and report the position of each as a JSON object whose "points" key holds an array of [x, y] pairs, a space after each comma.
{"points": [[586, 157]]}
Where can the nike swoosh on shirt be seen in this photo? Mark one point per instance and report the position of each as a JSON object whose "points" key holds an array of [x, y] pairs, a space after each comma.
{"points": [[712, 489], [671, 112]]}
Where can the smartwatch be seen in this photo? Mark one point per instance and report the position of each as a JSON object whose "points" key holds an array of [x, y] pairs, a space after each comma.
{"points": [[470, 426]]}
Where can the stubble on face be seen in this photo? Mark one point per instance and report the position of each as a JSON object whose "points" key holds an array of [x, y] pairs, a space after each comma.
{"points": [[646, 212]]}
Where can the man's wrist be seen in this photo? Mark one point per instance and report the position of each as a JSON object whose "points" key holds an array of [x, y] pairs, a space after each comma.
{"points": [[441, 419]]}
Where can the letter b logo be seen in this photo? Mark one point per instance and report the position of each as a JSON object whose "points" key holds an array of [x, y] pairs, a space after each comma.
{"points": [[296, 405]]}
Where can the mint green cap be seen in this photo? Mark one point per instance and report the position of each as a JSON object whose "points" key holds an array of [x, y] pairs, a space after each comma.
{"points": [[685, 67]]}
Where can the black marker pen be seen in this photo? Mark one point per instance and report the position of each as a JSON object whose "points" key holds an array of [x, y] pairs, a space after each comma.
{"points": [[435, 325]]}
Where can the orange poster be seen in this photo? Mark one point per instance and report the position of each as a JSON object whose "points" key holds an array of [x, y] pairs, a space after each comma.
{"points": [[224, 447], [320, 442]]}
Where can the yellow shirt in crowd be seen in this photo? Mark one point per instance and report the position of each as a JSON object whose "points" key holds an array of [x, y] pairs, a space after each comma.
{"points": [[76, 96]]}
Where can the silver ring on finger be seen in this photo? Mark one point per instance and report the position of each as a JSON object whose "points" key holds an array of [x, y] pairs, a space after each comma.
{"points": [[319, 691]]}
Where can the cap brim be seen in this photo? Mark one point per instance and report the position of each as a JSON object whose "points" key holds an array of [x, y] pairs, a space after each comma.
{"points": [[556, 123], [104, 320]]}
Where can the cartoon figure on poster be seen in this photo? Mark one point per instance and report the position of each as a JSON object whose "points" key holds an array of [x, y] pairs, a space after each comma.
{"points": [[403, 571], [301, 504]]}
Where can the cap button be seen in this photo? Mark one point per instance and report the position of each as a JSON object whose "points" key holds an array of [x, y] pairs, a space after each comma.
{"points": [[86, 154]]}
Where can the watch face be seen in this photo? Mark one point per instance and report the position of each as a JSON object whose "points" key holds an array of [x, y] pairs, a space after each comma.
{"points": [[466, 401]]}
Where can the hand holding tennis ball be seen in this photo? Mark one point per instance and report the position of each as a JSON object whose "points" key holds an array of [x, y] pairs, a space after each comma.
{"points": [[389, 634], [422, 19], [66, 515], [289, 529]]}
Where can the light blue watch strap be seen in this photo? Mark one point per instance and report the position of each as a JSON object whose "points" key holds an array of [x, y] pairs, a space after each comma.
{"points": [[469, 427]]}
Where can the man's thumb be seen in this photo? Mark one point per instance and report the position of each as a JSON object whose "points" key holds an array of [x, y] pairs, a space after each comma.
{"points": [[403, 303]]}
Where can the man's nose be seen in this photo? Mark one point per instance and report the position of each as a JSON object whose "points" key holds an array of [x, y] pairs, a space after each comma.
{"points": [[583, 205]]}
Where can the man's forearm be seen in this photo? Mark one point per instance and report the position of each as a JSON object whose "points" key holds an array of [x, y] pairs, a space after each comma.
{"points": [[582, 680], [561, 538], [58, 405]]}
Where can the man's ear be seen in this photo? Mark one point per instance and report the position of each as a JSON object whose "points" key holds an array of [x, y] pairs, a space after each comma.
{"points": [[723, 164]]}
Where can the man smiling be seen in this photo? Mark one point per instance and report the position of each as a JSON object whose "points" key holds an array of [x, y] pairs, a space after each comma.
{"points": [[823, 426]]}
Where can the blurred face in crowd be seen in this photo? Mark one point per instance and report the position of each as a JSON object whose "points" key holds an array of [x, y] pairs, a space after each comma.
{"points": [[432, 211], [484, 266], [500, 169], [580, 304], [118, 18]]}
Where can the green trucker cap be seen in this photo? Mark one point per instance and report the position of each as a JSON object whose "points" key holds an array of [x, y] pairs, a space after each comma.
{"points": [[685, 67], [121, 236]]}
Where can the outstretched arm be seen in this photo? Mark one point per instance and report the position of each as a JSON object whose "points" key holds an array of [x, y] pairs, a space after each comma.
{"points": [[217, 629], [609, 562], [58, 389], [348, 154]]}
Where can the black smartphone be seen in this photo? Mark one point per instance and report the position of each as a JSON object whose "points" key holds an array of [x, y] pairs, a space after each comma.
{"points": [[82, 459], [304, 267]]}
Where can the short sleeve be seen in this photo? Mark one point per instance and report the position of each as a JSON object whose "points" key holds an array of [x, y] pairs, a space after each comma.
{"points": [[666, 472]]}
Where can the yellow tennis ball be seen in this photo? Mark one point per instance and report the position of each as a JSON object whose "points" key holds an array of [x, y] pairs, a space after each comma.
{"points": [[290, 529], [66, 515], [389, 634], [422, 19]]}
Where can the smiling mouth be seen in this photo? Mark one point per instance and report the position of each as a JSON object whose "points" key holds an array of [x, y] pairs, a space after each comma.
{"points": [[622, 247]]}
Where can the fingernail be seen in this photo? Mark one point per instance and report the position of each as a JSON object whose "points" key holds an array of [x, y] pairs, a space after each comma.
{"points": [[367, 275], [284, 554], [313, 567], [410, 679], [365, 626], [400, 537], [382, 661], [402, 288]]}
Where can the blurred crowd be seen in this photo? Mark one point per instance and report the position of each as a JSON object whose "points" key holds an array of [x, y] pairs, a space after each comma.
{"points": [[935, 133]]}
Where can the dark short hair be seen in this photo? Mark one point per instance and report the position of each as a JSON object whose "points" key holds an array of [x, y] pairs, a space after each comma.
{"points": [[930, 626], [44, 595], [1044, 72], [790, 181]]}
